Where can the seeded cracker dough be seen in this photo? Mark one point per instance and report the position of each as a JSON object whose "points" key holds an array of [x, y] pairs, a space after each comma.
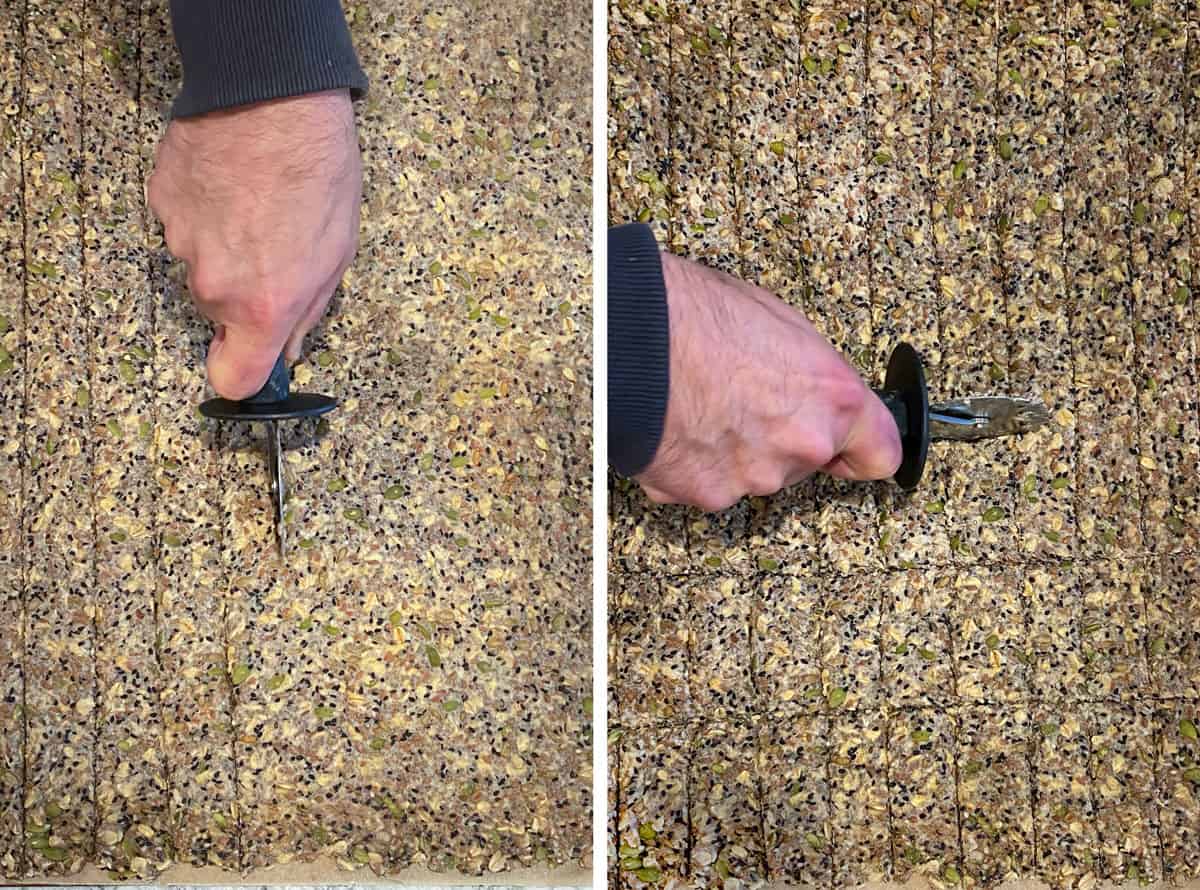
{"points": [[996, 680], [411, 692]]}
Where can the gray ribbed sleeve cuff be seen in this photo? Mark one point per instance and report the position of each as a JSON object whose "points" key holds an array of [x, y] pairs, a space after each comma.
{"points": [[639, 353], [235, 52]]}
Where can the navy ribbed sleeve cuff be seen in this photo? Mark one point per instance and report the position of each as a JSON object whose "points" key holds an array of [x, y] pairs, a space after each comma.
{"points": [[235, 52], [639, 357]]}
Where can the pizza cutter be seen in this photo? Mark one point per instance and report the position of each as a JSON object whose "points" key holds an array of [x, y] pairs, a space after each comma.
{"points": [[961, 420], [271, 404]]}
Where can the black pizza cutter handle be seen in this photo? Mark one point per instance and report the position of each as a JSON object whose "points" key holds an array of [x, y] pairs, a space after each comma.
{"points": [[275, 401], [278, 386], [907, 398]]}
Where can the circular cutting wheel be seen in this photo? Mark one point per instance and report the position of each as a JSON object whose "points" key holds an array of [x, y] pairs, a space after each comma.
{"points": [[300, 404], [906, 378]]}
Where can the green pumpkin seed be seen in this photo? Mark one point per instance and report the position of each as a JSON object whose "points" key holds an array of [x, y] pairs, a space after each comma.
{"points": [[239, 674], [1187, 729], [836, 697], [1005, 147]]}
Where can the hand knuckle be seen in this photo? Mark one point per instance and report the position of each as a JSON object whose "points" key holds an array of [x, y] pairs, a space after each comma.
{"points": [[275, 311], [815, 450], [656, 496], [205, 282], [846, 392], [715, 501], [154, 192], [763, 479]]}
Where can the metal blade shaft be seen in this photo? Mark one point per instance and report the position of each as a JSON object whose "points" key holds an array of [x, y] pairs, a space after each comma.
{"points": [[985, 417], [278, 484]]}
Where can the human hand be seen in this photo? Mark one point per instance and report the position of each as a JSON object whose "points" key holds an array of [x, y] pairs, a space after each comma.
{"points": [[758, 399], [262, 203]]}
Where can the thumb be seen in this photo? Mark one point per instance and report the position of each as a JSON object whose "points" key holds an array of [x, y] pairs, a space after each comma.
{"points": [[873, 449], [240, 361]]}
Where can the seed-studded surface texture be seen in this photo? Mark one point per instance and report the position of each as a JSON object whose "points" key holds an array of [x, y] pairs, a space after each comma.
{"points": [[996, 676], [411, 687]]}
